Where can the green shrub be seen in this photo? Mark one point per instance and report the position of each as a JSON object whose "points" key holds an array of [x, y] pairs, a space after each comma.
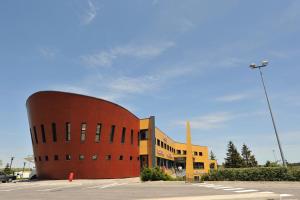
{"points": [[154, 174], [254, 174]]}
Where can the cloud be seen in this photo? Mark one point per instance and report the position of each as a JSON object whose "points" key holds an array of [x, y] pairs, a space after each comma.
{"points": [[233, 97], [90, 13], [47, 52], [106, 58]]}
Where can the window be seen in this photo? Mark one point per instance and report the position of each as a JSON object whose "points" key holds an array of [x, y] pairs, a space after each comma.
{"points": [[40, 158], [68, 131], [83, 132], [138, 158], [43, 133], [144, 134], [108, 157], [123, 135], [31, 136], [55, 157], [81, 157], [162, 144], [184, 152], [112, 133], [158, 142], [168, 147], [130, 158], [198, 165], [54, 138], [35, 135], [68, 157], [98, 132], [95, 157], [35, 159], [200, 154], [178, 151], [196, 153], [46, 158], [131, 136], [121, 157], [165, 146]]}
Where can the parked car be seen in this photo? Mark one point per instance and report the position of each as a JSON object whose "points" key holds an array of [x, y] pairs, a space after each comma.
{"points": [[6, 178]]}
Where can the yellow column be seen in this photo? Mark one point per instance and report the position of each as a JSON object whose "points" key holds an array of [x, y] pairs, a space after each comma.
{"points": [[189, 155]]}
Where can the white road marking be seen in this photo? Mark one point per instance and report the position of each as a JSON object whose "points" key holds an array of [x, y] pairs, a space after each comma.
{"points": [[97, 186], [286, 195], [219, 188], [57, 188], [233, 189], [266, 192], [244, 191]]}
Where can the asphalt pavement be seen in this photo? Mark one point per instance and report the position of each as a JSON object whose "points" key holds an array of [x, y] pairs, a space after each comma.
{"points": [[132, 188]]}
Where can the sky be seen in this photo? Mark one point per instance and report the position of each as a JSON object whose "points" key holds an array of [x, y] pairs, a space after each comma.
{"points": [[176, 60]]}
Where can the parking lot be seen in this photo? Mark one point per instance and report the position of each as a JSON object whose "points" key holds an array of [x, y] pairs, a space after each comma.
{"points": [[132, 188]]}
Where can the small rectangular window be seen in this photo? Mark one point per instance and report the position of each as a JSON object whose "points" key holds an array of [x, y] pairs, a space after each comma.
{"points": [[54, 138], [68, 131], [123, 135], [121, 157], [130, 158], [98, 132], [144, 134], [95, 157], [131, 136], [158, 142], [165, 146], [43, 133], [81, 157], [40, 158], [138, 137], [108, 157], [68, 157], [178, 152], [112, 133], [46, 158], [55, 157], [184, 152], [83, 132], [162, 144], [196, 153], [200, 153], [35, 159], [35, 135]]}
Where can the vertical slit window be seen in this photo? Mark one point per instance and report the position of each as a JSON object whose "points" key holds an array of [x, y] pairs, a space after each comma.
{"points": [[54, 138], [123, 135], [35, 135], [112, 133], [43, 133], [31, 136], [83, 132], [98, 132], [68, 131], [131, 137]]}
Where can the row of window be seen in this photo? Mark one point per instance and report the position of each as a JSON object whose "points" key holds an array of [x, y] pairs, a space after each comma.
{"points": [[171, 149], [81, 157], [83, 133]]}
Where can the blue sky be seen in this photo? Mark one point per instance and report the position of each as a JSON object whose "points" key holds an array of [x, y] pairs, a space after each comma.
{"points": [[172, 59]]}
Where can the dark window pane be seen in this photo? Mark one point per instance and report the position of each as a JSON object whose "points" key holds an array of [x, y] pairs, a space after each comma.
{"points": [[31, 136], [54, 138], [123, 135], [55, 157], [68, 157], [35, 135], [68, 131], [144, 134], [98, 132], [83, 132], [43, 133], [131, 137], [46, 158], [112, 133], [108, 157], [121, 157]]}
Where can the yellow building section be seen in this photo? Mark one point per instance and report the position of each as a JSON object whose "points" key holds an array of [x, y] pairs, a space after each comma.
{"points": [[170, 154]]}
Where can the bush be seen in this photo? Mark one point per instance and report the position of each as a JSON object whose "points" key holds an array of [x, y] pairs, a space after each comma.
{"points": [[154, 174], [254, 174]]}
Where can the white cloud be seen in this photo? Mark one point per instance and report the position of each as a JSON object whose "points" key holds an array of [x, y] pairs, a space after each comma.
{"points": [[90, 14], [233, 97], [106, 58], [47, 52]]}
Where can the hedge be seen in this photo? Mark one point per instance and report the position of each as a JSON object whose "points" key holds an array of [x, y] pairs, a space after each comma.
{"points": [[254, 174], [154, 174]]}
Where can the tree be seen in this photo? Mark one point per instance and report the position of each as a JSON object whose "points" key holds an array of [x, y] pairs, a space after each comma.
{"points": [[1, 163], [7, 169], [212, 156], [271, 164], [248, 159], [233, 159]]}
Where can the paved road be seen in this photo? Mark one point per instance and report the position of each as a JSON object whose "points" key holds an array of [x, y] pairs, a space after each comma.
{"points": [[134, 189]]}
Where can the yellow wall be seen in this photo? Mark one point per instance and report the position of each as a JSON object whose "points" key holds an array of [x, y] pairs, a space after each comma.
{"points": [[169, 154]]}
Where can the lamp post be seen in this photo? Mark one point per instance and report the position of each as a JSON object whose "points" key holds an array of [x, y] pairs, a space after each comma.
{"points": [[264, 64], [11, 160]]}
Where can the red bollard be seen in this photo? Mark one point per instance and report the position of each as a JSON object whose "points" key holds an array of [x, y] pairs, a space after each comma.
{"points": [[71, 177]]}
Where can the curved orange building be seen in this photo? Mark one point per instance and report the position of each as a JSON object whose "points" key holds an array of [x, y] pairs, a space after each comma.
{"points": [[91, 137]]}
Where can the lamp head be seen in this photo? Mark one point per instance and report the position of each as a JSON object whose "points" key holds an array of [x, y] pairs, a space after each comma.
{"points": [[252, 65], [265, 63]]}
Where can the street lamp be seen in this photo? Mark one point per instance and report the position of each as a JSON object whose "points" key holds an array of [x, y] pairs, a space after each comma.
{"points": [[11, 160], [264, 64]]}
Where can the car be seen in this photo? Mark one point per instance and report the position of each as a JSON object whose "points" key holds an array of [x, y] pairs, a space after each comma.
{"points": [[4, 178]]}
